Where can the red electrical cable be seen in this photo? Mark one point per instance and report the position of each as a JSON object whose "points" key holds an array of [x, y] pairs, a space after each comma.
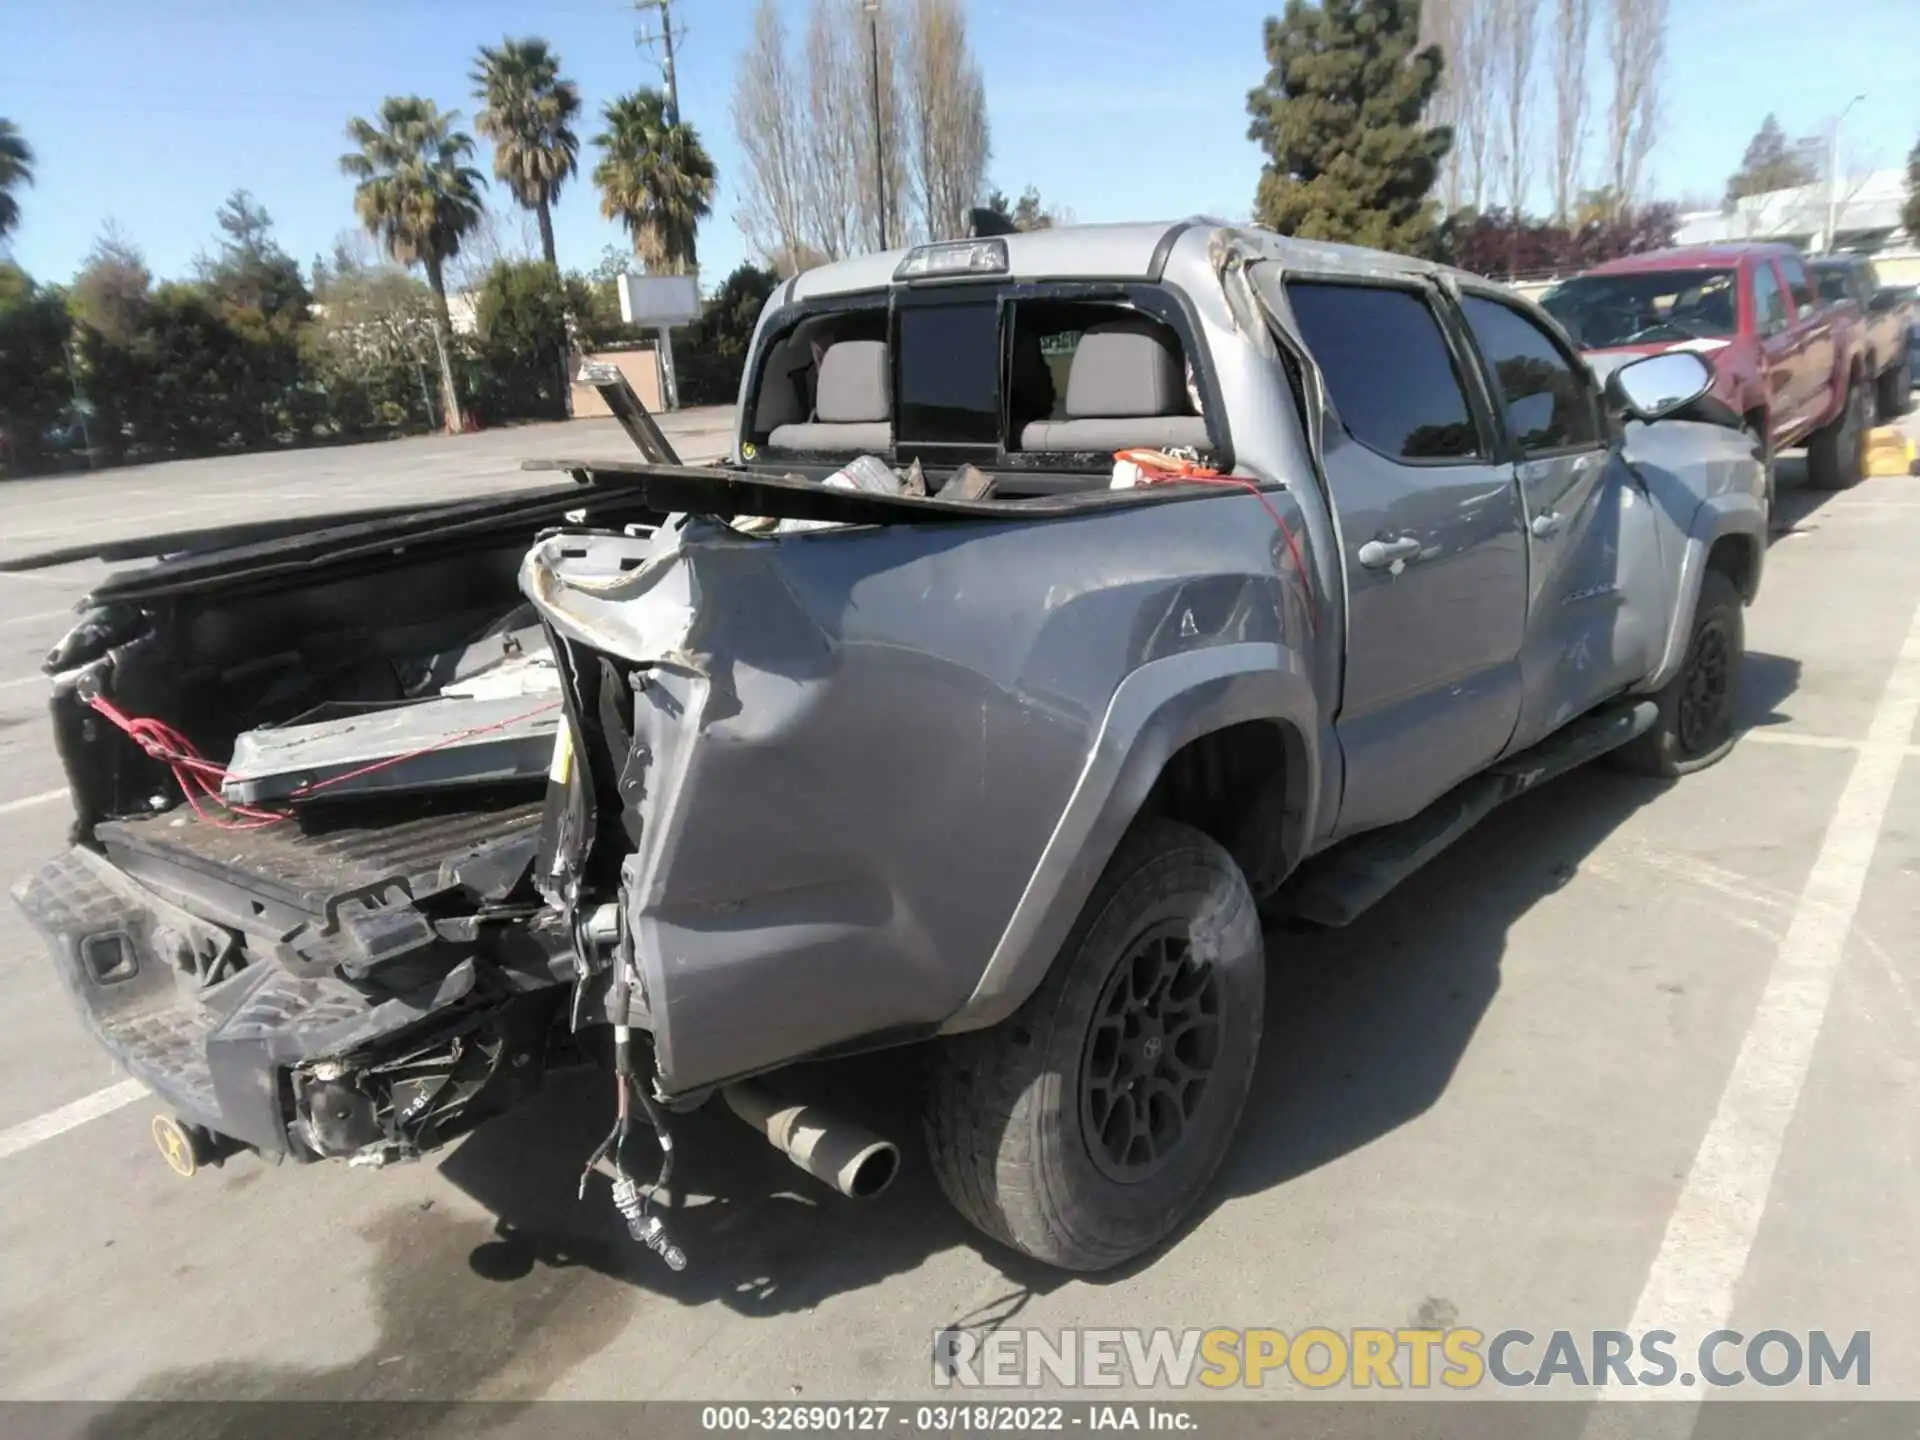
{"points": [[441, 744], [1159, 468]]}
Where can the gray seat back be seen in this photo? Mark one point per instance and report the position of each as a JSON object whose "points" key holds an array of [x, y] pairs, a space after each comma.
{"points": [[852, 402], [1127, 386]]}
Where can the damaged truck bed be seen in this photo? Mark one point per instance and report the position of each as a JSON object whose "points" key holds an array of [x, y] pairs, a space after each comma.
{"points": [[1047, 619]]}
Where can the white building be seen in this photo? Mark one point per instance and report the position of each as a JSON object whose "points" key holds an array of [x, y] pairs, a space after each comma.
{"points": [[1863, 214]]}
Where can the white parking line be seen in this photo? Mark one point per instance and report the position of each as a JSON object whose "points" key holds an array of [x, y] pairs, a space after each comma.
{"points": [[29, 1133], [23, 680], [1690, 1287], [67, 614], [1818, 742], [44, 797]]}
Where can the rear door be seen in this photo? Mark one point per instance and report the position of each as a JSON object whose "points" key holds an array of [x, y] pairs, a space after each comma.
{"points": [[1786, 400], [1595, 588], [1430, 532], [1815, 352]]}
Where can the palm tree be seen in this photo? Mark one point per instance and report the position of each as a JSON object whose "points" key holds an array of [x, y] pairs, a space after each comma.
{"points": [[420, 198], [527, 112], [655, 179], [16, 170]]}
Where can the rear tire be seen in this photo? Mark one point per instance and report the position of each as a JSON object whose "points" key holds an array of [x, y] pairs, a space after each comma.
{"points": [[1698, 707], [1084, 1128], [1836, 452], [1896, 388]]}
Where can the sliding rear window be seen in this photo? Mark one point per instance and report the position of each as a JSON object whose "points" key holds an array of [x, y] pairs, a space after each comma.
{"points": [[946, 362]]}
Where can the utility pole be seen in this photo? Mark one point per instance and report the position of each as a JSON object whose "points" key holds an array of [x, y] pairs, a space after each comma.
{"points": [[872, 8], [1833, 175], [664, 39]]}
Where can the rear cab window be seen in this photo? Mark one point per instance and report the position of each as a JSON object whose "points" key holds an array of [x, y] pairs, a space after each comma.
{"points": [[1042, 379]]}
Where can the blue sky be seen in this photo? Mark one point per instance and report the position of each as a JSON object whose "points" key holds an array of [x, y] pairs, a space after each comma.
{"points": [[149, 114]]}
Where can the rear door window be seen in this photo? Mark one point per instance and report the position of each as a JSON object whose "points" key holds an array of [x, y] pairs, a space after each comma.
{"points": [[1388, 366]]}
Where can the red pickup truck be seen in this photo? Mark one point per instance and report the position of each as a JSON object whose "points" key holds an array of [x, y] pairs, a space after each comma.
{"points": [[1788, 363]]}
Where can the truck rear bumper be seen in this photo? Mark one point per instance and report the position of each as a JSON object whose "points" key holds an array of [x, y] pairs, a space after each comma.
{"points": [[235, 1046]]}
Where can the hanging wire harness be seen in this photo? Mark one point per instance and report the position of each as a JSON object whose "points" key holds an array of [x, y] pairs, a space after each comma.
{"points": [[632, 1200]]}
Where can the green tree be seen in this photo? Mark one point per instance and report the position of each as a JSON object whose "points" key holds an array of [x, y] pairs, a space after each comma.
{"points": [[16, 172], [421, 198], [370, 349], [251, 271], [521, 321], [259, 292], [655, 179], [1770, 163], [528, 111], [1026, 213], [709, 361], [35, 386], [1340, 118], [1910, 212]]}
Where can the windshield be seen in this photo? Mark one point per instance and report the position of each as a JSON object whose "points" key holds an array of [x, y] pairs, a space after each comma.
{"points": [[1653, 308]]}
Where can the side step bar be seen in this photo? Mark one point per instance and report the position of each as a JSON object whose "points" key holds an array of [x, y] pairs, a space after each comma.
{"points": [[1351, 878]]}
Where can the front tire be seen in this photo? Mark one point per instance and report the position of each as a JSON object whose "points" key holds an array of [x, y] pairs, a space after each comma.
{"points": [[1698, 707], [1836, 454], [1085, 1127], [1756, 431]]}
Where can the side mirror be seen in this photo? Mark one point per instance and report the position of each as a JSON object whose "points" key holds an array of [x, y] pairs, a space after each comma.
{"points": [[1655, 387]]}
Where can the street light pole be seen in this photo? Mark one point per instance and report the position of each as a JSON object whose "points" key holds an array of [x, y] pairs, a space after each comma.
{"points": [[1833, 173], [872, 8]]}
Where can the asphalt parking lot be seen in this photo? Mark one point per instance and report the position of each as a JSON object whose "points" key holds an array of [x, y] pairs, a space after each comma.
{"points": [[1633, 1054]]}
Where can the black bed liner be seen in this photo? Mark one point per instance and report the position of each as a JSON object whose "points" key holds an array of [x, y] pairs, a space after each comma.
{"points": [[311, 862]]}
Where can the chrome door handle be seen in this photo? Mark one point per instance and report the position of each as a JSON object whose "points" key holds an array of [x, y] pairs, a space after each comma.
{"points": [[1379, 554], [1546, 524]]}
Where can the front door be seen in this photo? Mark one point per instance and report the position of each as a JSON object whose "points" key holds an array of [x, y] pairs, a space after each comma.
{"points": [[1435, 561], [1595, 584]]}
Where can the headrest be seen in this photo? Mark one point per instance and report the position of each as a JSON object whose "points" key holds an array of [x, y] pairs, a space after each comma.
{"points": [[853, 386], [1126, 368]]}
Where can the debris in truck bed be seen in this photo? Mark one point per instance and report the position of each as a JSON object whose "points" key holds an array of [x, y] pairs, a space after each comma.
{"points": [[454, 740]]}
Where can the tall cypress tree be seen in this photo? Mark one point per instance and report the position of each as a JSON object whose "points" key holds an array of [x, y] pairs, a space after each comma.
{"points": [[1341, 119]]}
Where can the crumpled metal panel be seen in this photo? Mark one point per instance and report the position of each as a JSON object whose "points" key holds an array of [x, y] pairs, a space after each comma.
{"points": [[853, 745]]}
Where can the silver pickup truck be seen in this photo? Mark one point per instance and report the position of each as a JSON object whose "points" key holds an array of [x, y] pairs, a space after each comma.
{"points": [[1069, 600]]}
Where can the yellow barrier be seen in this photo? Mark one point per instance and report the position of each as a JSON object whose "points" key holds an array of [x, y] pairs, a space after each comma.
{"points": [[1889, 452]]}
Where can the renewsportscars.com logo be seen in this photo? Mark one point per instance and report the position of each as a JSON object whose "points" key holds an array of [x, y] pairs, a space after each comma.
{"points": [[1457, 1358]]}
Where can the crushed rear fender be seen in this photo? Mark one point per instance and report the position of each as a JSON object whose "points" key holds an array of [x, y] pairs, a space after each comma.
{"points": [[835, 766]]}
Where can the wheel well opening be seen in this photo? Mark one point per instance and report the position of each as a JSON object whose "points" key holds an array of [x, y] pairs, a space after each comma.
{"points": [[1733, 556], [1243, 785]]}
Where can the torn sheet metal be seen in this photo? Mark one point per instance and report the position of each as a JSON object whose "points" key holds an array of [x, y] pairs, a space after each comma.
{"points": [[643, 612]]}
